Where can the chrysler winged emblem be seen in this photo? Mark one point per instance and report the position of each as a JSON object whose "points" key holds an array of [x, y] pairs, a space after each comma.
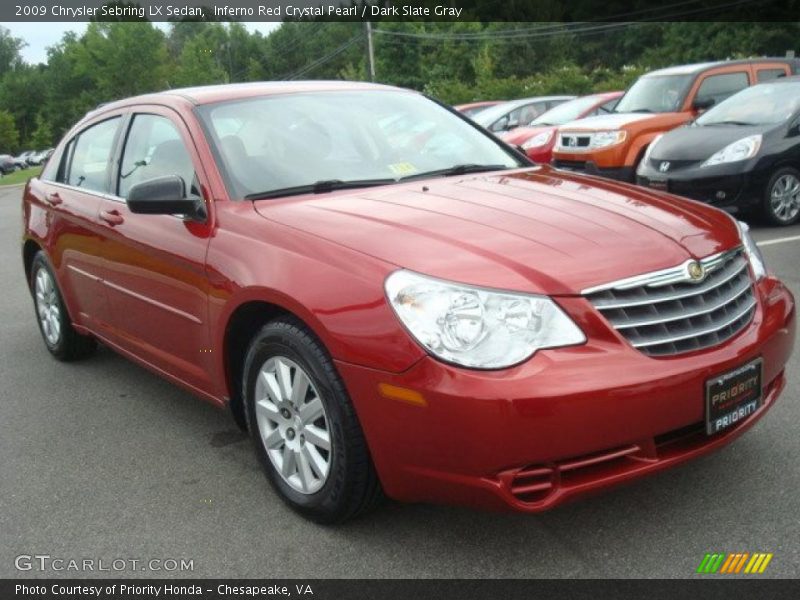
{"points": [[696, 271]]}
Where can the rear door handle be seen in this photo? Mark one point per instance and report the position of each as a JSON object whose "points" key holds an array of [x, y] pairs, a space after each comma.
{"points": [[53, 199], [112, 217]]}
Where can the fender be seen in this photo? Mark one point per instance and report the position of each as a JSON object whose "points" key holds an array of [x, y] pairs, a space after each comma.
{"points": [[346, 309]]}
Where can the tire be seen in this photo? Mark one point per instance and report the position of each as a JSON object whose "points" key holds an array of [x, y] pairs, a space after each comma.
{"points": [[295, 426], [59, 336], [781, 202]]}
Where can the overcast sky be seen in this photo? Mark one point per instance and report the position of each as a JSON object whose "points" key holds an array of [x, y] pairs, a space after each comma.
{"points": [[39, 35]]}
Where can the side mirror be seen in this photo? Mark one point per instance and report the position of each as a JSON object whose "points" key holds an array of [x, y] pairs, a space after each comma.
{"points": [[164, 196], [701, 104]]}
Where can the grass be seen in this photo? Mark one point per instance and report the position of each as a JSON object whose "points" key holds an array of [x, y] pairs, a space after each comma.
{"points": [[19, 176]]}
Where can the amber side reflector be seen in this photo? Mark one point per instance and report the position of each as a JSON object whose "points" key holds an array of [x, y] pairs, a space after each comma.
{"points": [[403, 394]]}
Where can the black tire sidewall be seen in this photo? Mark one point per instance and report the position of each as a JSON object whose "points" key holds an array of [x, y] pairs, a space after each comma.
{"points": [[284, 339], [767, 201]]}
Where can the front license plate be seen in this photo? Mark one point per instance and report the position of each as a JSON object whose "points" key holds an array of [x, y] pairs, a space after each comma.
{"points": [[733, 396], [659, 184]]}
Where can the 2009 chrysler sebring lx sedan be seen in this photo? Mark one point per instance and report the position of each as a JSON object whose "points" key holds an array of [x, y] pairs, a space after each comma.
{"points": [[393, 301]]}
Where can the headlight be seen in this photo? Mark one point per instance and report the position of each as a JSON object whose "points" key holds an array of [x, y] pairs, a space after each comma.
{"points": [[540, 139], [602, 139], [739, 150], [649, 149], [752, 251], [477, 327]]}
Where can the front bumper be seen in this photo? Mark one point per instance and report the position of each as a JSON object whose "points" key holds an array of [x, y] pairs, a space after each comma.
{"points": [[566, 423], [729, 187], [591, 168]]}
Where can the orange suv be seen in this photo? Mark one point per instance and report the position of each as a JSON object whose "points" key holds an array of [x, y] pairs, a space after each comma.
{"points": [[612, 145]]}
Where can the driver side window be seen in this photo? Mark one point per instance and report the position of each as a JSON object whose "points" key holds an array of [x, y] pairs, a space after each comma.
{"points": [[154, 148]]}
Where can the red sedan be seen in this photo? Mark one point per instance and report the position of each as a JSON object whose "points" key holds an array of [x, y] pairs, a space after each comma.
{"points": [[439, 321], [473, 108], [538, 137]]}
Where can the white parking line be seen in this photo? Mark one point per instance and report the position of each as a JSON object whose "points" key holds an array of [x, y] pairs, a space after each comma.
{"points": [[793, 238]]}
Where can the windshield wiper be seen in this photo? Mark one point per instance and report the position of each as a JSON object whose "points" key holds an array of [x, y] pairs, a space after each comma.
{"points": [[742, 123], [457, 170], [640, 110], [319, 187]]}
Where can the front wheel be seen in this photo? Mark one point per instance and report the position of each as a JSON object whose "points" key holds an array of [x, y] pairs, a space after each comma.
{"points": [[59, 336], [304, 427], [781, 203]]}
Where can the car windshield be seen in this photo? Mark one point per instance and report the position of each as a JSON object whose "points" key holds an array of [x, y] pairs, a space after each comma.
{"points": [[655, 94], [765, 104], [282, 141], [564, 113]]}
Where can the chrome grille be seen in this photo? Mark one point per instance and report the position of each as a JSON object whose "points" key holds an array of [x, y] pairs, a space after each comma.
{"points": [[669, 312]]}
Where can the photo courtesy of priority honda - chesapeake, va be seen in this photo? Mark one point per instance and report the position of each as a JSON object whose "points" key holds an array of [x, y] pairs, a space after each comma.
{"points": [[394, 302]]}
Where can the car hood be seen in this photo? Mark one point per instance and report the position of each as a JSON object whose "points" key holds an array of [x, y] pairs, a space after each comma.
{"points": [[521, 135], [699, 143], [612, 121], [537, 230]]}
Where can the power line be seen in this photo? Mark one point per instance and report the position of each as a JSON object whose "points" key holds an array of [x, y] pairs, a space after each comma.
{"points": [[560, 28], [320, 61]]}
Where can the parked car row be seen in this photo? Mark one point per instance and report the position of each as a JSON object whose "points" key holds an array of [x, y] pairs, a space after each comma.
{"points": [[726, 133], [24, 160]]}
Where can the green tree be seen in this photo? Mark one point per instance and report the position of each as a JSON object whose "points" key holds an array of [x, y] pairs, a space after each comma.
{"points": [[198, 65], [123, 58], [42, 136], [10, 47], [9, 138]]}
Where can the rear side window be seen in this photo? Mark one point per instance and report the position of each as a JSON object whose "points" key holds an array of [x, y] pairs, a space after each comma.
{"points": [[89, 156], [769, 74], [719, 87], [154, 148]]}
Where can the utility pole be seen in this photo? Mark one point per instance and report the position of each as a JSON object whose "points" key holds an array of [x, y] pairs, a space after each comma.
{"points": [[370, 52]]}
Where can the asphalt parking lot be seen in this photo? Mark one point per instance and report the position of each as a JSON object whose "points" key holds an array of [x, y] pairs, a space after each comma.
{"points": [[102, 459]]}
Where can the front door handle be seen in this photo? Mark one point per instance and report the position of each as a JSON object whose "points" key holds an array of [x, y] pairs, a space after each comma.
{"points": [[112, 217], [53, 199]]}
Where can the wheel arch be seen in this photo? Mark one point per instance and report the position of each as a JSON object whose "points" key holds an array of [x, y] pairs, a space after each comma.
{"points": [[242, 324], [29, 250]]}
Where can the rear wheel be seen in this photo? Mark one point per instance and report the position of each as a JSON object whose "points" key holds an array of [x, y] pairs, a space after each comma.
{"points": [[304, 427], [781, 203], [59, 336]]}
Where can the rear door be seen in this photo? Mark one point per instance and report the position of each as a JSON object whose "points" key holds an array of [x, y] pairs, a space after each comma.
{"points": [[73, 193], [154, 267]]}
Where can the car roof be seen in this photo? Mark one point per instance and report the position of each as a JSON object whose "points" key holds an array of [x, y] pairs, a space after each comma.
{"points": [[234, 91], [696, 68], [521, 101]]}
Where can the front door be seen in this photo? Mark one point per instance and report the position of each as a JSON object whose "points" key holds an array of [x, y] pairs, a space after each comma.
{"points": [[154, 265]]}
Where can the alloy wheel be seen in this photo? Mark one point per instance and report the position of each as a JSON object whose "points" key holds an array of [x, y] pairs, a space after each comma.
{"points": [[48, 307], [293, 424], [785, 197]]}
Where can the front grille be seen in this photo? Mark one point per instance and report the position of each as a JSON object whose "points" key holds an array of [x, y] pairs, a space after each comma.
{"points": [[672, 165], [572, 165], [667, 312], [568, 141]]}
